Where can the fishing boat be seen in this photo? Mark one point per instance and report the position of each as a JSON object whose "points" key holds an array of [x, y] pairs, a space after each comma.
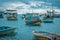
{"points": [[6, 30], [48, 17], [11, 15], [1, 14], [33, 19], [41, 35]]}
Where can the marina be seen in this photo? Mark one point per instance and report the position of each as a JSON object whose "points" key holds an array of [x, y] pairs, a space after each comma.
{"points": [[25, 32], [30, 20]]}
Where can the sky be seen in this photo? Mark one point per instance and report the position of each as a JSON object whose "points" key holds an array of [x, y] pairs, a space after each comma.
{"points": [[29, 6]]}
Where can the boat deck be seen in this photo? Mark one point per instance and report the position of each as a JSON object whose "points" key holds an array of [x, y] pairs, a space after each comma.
{"points": [[24, 32]]}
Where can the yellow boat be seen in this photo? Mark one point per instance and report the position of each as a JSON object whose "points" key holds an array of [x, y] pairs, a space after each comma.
{"points": [[40, 35]]}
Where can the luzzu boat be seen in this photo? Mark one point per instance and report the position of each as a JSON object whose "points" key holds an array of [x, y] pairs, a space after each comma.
{"points": [[6, 30], [32, 19], [41, 35], [11, 15]]}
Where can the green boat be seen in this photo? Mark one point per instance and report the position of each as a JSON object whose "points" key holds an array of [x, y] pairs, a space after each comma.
{"points": [[6, 30], [41, 35]]}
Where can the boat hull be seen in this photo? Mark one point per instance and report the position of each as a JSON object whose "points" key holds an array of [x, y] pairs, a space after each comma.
{"points": [[11, 18], [35, 22], [7, 31], [40, 35], [41, 38], [48, 21]]}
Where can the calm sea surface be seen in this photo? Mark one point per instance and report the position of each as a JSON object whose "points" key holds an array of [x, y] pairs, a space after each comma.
{"points": [[24, 32]]}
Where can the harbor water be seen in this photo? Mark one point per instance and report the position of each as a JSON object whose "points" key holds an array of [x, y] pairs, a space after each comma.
{"points": [[25, 32]]}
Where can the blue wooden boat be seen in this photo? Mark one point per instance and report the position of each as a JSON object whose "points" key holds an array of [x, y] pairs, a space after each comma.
{"points": [[33, 22], [1, 14], [25, 16], [33, 19], [6, 30], [41, 35], [48, 21], [11, 15]]}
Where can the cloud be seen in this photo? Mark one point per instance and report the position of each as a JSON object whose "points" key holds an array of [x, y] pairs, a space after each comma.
{"points": [[36, 4], [22, 8], [15, 5]]}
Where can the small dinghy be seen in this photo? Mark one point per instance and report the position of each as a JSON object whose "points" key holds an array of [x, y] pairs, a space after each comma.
{"points": [[6, 30], [40, 35]]}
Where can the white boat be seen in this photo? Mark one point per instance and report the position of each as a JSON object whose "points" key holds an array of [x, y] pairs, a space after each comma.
{"points": [[41, 35]]}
